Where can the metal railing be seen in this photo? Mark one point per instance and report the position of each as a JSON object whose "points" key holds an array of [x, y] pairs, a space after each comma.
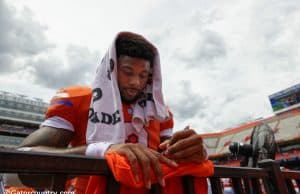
{"points": [[268, 178]]}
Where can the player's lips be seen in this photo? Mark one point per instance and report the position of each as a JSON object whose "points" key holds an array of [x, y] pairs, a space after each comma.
{"points": [[131, 92]]}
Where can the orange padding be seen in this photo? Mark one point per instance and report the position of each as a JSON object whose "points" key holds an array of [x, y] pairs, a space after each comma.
{"points": [[121, 169]]}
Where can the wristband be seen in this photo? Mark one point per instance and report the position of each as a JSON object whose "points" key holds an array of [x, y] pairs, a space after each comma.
{"points": [[97, 149]]}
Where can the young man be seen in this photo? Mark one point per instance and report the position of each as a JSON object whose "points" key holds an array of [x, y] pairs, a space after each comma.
{"points": [[124, 112]]}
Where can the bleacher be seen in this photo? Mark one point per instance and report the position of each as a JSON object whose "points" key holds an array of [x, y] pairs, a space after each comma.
{"points": [[19, 116]]}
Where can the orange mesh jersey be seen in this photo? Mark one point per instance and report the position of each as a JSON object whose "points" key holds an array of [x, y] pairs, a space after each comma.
{"points": [[72, 104], [121, 169]]}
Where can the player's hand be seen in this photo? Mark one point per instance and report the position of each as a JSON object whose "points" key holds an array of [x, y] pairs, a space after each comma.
{"points": [[146, 158], [185, 146]]}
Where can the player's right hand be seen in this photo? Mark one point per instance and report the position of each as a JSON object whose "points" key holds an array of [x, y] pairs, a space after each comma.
{"points": [[146, 158]]}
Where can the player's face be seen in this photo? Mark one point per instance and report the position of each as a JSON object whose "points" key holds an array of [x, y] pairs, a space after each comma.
{"points": [[133, 74]]}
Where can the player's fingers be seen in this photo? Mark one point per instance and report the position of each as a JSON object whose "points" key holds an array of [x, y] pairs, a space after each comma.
{"points": [[133, 161], [145, 163], [181, 135], [155, 164], [164, 145], [182, 144]]}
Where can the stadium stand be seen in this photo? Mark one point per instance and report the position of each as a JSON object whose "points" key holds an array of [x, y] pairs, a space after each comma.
{"points": [[19, 116]]}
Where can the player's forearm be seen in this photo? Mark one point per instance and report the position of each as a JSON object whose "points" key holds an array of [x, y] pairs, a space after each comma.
{"points": [[72, 150]]}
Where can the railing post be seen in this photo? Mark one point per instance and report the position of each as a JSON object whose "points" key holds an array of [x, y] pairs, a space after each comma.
{"points": [[112, 186], [188, 184], [58, 182], [298, 182], [237, 185], [156, 189], [290, 186], [276, 182], [216, 185], [247, 182], [256, 186]]}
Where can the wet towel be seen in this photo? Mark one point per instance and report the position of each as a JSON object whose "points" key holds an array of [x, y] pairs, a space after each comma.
{"points": [[106, 122]]}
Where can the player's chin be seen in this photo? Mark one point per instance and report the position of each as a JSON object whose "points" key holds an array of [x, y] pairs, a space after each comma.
{"points": [[129, 99]]}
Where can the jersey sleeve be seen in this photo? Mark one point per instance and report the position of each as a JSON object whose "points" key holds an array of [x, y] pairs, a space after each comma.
{"points": [[58, 122], [62, 105]]}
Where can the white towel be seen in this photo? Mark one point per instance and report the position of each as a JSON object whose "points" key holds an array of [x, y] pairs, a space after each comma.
{"points": [[106, 122]]}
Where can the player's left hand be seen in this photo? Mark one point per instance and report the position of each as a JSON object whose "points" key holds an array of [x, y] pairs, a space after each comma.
{"points": [[185, 146]]}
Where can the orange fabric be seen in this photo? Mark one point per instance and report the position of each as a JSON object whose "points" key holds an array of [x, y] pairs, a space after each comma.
{"points": [[96, 185], [153, 129], [72, 104], [123, 174], [127, 113], [77, 184], [168, 124]]}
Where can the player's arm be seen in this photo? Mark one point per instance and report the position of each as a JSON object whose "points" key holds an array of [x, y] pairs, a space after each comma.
{"points": [[51, 140]]}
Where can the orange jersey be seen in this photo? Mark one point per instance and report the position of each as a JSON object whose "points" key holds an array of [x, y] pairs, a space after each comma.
{"points": [[73, 103], [121, 169]]}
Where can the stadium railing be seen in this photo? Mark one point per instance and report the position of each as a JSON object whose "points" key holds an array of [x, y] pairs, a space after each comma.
{"points": [[268, 178]]}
